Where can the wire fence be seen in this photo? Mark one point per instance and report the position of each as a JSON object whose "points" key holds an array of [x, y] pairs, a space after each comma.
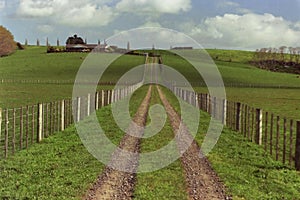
{"points": [[279, 136], [24, 126]]}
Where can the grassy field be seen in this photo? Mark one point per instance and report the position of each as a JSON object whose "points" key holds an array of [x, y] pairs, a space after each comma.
{"points": [[246, 169], [60, 162], [35, 64], [274, 92], [67, 170]]}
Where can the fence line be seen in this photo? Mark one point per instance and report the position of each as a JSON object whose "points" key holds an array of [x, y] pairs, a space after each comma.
{"points": [[274, 133], [24, 126], [59, 82]]}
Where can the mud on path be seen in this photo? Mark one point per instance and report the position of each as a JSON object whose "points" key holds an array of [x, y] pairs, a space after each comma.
{"points": [[202, 182], [119, 184]]}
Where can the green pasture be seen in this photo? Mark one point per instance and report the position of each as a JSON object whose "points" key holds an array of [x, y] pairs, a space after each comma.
{"points": [[247, 171], [274, 92], [66, 170], [278, 93], [56, 73]]}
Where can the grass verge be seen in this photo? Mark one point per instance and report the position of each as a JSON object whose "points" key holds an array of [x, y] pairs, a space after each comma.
{"points": [[246, 169], [60, 167]]}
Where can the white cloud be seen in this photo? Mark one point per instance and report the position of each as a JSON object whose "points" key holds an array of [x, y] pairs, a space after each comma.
{"points": [[146, 37], [248, 31], [145, 6], [78, 13], [35, 8], [88, 16]]}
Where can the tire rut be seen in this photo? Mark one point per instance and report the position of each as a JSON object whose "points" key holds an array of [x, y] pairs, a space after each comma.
{"points": [[202, 182], [119, 184]]}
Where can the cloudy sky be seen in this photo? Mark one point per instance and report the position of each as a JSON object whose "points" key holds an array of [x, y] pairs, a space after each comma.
{"points": [[230, 24]]}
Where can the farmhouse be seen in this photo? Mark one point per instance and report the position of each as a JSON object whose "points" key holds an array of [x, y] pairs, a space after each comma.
{"points": [[76, 44]]}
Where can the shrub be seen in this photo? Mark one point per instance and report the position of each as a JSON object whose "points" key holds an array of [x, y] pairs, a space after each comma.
{"points": [[7, 43]]}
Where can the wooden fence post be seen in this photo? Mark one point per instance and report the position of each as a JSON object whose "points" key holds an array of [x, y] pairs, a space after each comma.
{"points": [[21, 128], [291, 142], [266, 131], [284, 140], [196, 100], [259, 121], [238, 117], [277, 136], [224, 112], [32, 124], [27, 125], [271, 133], [62, 113], [97, 101], [207, 103], [214, 107], [108, 97], [102, 98], [6, 133], [40, 123], [78, 109], [112, 96], [297, 153], [0, 122], [14, 132], [88, 104]]}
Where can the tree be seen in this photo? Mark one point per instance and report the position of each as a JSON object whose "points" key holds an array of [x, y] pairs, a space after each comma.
{"points": [[7, 43], [282, 52]]}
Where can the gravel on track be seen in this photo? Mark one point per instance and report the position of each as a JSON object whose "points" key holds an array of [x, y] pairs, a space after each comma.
{"points": [[119, 184], [202, 182]]}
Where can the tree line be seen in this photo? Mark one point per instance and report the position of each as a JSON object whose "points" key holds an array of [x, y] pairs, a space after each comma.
{"points": [[283, 59]]}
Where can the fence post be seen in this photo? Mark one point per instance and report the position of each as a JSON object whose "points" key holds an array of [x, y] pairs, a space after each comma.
{"points": [[112, 96], [196, 96], [6, 133], [97, 101], [78, 109], [62, 115], [102, 98], [0, 122], [108, 97], [207, 103], [215, 107], [297, 153], [259, 116], [40, 123], [88, 104], [224, 113], [238, 116]]}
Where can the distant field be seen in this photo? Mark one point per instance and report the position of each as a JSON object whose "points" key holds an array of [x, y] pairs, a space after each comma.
{"points": [[35, 64], [237, 74], [274, 92]]}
